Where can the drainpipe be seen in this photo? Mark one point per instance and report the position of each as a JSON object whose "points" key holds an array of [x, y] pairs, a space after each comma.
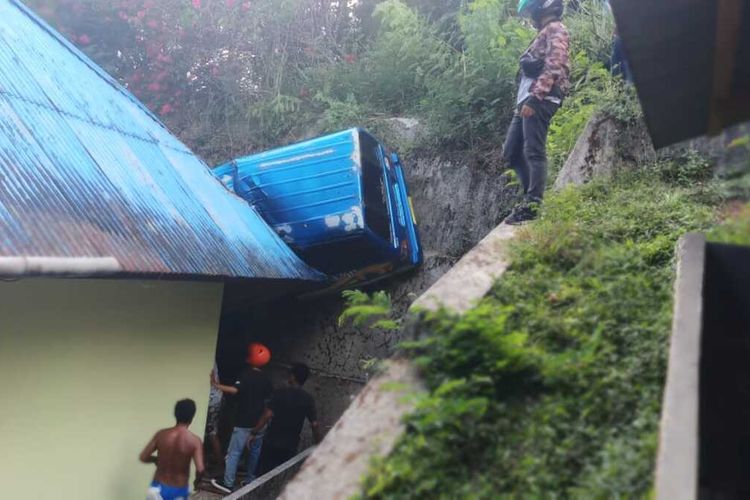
{"points": [[22, 266]]}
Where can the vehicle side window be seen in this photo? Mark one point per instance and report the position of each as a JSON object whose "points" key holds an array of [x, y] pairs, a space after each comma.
{"points": [[377, 217]]}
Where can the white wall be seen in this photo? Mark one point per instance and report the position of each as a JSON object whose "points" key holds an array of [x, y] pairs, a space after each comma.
{"points": [[89, 370]]}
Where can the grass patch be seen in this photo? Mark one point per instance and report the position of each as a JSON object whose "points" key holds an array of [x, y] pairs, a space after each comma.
{"points": [[551, 387], [736, 228]]}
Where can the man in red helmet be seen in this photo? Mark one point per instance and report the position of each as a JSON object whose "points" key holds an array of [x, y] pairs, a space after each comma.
{"points": [[253, 389]]}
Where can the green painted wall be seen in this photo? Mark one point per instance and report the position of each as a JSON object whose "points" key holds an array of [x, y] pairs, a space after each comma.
{"points": [[89, 370]]}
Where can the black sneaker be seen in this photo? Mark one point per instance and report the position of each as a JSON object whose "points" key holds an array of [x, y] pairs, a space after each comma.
{"points": [[520, 215], [219, 485]]}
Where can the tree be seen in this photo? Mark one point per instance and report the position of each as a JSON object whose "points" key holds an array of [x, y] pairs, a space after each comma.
{"points": [[214, 70]]}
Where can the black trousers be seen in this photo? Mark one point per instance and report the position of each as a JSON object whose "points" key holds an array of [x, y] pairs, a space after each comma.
{"points": [[525, 148], [272, 456]]}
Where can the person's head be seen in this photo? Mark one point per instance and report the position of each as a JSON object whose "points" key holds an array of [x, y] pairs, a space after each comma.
{"points": [[258, 355], [298, 374], [184, 411], [541, 11]]}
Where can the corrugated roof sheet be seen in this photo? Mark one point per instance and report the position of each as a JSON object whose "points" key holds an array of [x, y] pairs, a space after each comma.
{"points": [[88, 171]]}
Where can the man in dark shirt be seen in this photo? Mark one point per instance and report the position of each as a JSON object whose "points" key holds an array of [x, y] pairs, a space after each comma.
{"points": [[253, 388], [287, 411]]}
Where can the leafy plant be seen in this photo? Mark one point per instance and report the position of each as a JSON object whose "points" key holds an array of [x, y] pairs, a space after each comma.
{"points": [[374, 311]]}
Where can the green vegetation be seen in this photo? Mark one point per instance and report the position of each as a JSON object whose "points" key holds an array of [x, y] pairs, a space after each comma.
{"points": [[735, 230], [237, 76], [368, 310], [552, 385]]}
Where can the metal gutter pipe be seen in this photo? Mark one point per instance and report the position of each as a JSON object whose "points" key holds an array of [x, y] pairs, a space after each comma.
{"points": [[21, 266]]}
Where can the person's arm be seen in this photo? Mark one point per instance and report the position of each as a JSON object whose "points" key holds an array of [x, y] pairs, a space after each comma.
{"points": [[264, 419], [226, 389], [556, 60], [312, 417], [147, 455], [315, 426], [198, 459]]}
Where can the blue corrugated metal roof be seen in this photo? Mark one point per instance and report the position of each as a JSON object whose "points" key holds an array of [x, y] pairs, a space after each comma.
{"points": [[88, 171]]}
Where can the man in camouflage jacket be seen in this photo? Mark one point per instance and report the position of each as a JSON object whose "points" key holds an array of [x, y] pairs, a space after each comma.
{"points": [[543, 83]]}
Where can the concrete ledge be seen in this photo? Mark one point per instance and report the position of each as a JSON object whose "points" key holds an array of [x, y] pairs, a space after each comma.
{"points": [[472, 277], [677, 462]]}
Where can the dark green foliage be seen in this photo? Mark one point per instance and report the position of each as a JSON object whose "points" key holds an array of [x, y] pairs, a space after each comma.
{"points": [[551, 387], [685, 169], [736, 177], [735, 230], [244, 76]]}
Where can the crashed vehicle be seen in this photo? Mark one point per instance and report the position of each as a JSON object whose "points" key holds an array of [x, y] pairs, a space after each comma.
{"points": [[339, 201]]}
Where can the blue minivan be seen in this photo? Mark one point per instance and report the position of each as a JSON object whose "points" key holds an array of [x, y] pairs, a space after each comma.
{"points": [[339, 201]]}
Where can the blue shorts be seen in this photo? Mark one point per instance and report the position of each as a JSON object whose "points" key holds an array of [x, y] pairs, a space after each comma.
{"points": [[159, 491]]}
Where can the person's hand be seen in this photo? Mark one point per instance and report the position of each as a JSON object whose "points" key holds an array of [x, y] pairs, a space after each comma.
{"points": [[527, 111], [250, 440]]}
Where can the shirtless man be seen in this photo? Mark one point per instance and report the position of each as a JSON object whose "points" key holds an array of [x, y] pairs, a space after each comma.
{"points": [[174, 448]]}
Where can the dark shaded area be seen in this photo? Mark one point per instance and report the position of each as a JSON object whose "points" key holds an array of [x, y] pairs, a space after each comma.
{"points": [[672, 50], [741, 77], [725, 375]]}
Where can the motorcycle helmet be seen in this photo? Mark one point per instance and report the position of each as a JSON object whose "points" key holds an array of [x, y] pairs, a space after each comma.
{"points": [[539, 9]]}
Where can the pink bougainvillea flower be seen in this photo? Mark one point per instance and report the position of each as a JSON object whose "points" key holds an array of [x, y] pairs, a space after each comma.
{"points": [[154, 87], [350, 58], [152, 24], [165, 109], [197, 4], [230, 3], [141, 14], [246, 6], [84, 39]]}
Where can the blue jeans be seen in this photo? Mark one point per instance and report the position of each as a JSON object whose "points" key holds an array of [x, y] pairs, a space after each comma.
{"points": [[236, 447]]}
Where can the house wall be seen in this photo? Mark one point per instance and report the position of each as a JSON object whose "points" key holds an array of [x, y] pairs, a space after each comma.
{"points": [[89, 370]]}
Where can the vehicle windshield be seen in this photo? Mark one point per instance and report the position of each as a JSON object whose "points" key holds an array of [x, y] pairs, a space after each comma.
{"points": [[377, 217]]}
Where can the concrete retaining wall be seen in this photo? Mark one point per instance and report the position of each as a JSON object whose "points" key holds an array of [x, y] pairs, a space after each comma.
{"points": [[704, 448], [677, 462]]}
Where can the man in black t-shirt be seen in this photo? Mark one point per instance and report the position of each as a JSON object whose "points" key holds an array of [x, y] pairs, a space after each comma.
{"points": [[253, 388], [287, 411]]}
